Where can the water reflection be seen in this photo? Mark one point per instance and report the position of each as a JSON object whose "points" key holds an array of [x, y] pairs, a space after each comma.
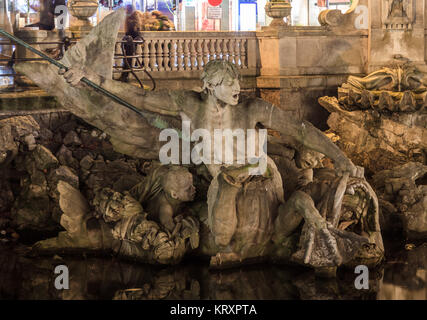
{"points": [[23, 277], [405, 276]]}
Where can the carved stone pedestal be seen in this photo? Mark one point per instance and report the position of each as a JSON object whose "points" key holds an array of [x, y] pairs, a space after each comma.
{"points": [[82, 10], [278, 10]]}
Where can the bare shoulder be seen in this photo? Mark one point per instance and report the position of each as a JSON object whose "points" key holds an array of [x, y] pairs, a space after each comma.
{"points": [[185, 97], [189, 101], [256, 107], [256, 103]]}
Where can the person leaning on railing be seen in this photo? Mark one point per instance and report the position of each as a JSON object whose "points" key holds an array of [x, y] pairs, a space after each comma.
{"points": [[136, 22]]}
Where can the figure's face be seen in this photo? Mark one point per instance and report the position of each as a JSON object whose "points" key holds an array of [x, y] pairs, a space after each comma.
{"points": [[185, 190], [228, 91], [308, 159]]}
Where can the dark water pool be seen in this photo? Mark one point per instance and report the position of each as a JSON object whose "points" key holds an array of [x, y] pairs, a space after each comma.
{"points": [[402, 276]]}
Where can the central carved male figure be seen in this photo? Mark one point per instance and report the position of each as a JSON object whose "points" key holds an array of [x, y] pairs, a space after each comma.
{"points": [[244, 211]]}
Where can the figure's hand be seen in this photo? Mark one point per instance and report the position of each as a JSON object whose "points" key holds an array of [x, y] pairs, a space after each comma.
{"points": [[72, 76], [344, 165], [191, 230], [323, 230]]}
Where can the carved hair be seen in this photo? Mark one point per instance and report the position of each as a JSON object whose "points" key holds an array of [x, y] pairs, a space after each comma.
{"points": [[173, 178], [215, 71]]}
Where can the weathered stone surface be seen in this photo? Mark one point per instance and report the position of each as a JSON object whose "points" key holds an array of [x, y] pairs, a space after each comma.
{"points": [[378, 143], [44, 159], [72, 139], [87, 162], [403, 191], [381, 119], [64, 173], [22, 125], [65, 157], [242, 207], [72, 203], [9, 148], [122, 227], [6, 195], [33, 209], [381, 123], [91, 176], [13, 131]]}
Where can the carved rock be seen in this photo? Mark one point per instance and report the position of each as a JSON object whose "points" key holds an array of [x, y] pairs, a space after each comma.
{"points": [[403, 191], [378, 143]]}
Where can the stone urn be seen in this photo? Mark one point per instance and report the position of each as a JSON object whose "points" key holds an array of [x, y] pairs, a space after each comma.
{"points": [[82, 10], [278, 10]]}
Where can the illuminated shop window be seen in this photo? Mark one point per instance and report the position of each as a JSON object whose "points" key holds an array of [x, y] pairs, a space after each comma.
{"points": [[306, 12]]}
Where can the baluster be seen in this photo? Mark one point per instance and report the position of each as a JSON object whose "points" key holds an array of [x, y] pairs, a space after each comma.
{"points": [[179, 54], [146, 54], [139, 54], [232, 46], [237, 53], [218, 49], [173, 60], [186, 54], [243, 53], [199, 52], [225, 50], [166, 54], [212, 49], [154, 54], [160, 59], [118, 63], [205, 52], [193, 54]]}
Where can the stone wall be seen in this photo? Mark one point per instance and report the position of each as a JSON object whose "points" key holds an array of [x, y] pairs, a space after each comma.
{"points": [[305, 63]]}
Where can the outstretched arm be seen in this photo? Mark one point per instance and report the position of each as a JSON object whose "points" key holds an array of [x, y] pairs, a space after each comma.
{"points": [[302, 132], [160, 102]]}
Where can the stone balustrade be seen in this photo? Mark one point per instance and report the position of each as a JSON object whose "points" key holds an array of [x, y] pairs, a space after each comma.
{"points": [[182, 55]]}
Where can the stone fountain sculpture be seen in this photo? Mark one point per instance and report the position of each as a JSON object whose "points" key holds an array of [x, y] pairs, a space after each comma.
{"points": [[381, 118], [381, 122], [331, 219]]}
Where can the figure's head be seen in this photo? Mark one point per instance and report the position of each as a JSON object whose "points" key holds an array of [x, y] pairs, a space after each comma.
{"points": [[129, 9], [178, 183], [308, 159], [221, 79]]}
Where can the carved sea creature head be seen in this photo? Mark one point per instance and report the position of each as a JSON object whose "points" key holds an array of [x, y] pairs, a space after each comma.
{"points": [[221, 79], [401, 87]]}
